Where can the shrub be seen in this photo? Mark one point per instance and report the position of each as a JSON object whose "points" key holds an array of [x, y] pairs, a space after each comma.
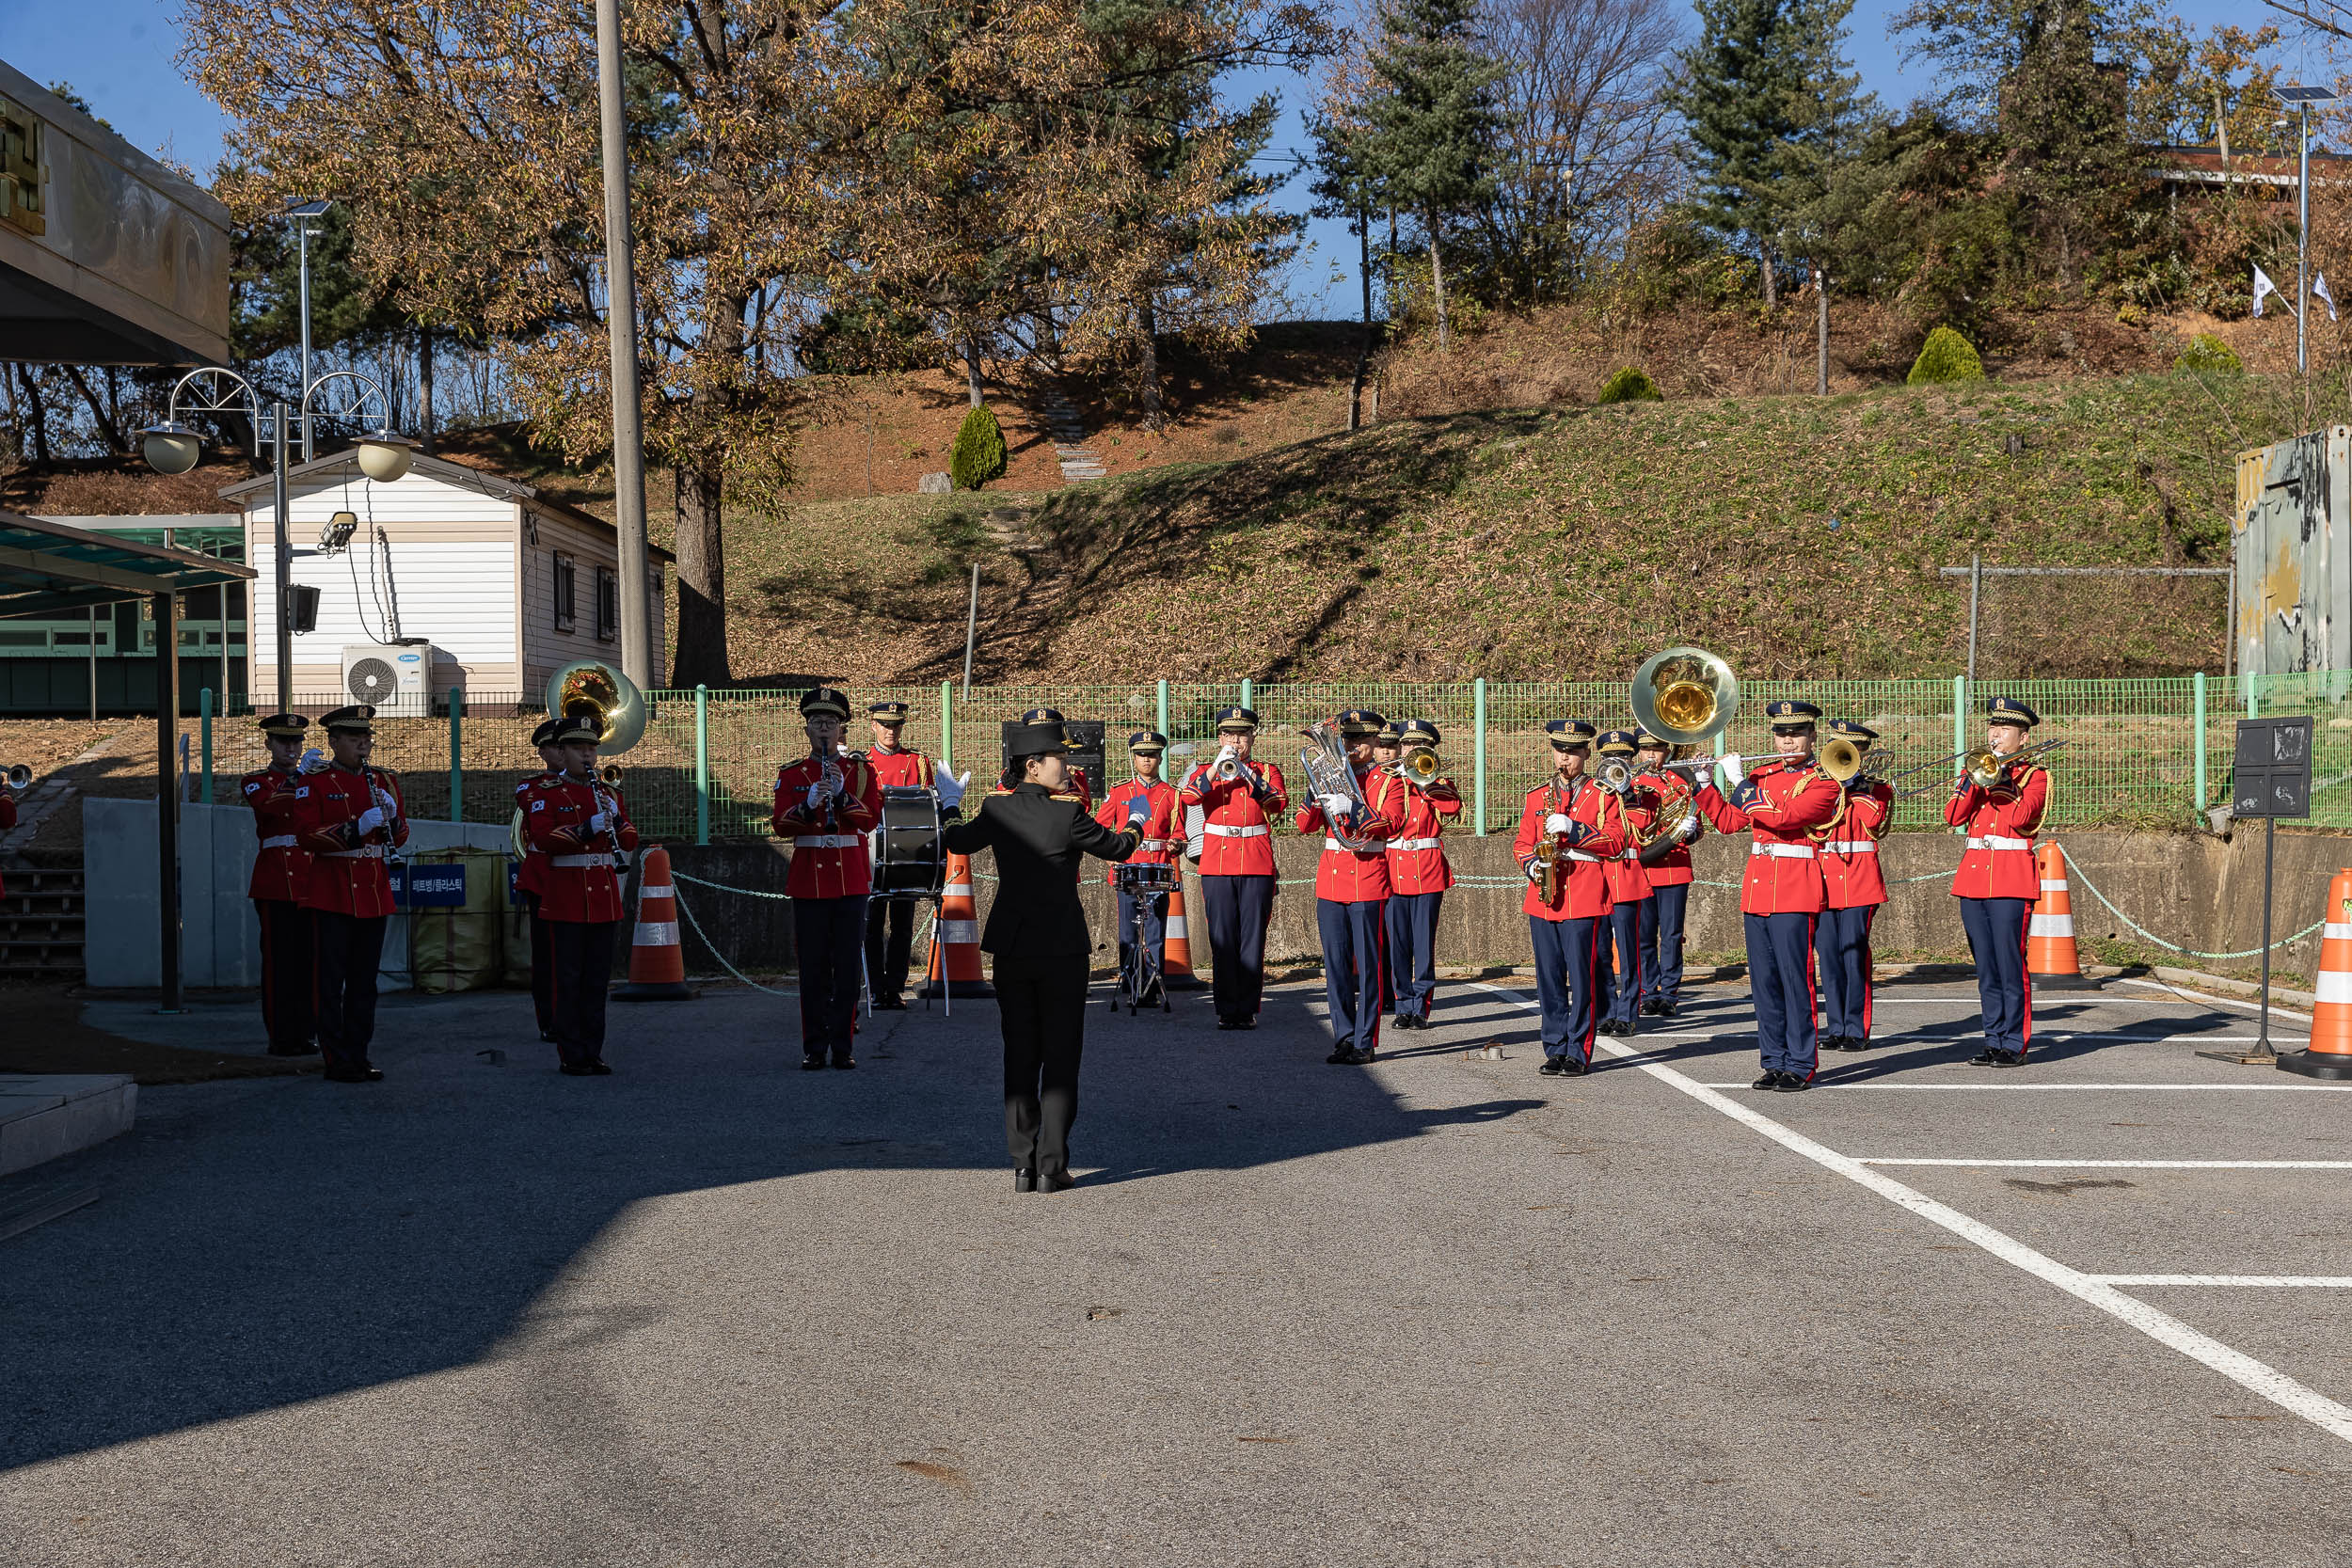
{"points": [[2207, 355], [979, 455], [1944, 356], [1630, 385]]}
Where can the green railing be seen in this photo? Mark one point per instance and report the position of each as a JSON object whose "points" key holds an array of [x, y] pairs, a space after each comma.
{"points": [[2146, 752]]}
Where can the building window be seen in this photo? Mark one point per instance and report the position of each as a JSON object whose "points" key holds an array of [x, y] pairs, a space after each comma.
{"points": [[567, 605], [608, 604]]}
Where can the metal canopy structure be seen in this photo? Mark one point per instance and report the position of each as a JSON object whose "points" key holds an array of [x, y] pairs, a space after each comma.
{"points": [[47, 567]]}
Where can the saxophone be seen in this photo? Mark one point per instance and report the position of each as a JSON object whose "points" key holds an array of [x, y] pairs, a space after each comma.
{"points": [[1555, 849]]}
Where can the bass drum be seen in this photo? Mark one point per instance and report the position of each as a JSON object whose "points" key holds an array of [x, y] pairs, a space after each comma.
{"points": [[909, 861]]}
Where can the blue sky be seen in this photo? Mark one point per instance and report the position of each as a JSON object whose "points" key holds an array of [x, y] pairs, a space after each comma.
{"points": [[117, 54]]}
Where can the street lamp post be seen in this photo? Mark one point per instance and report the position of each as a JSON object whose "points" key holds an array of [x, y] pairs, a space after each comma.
{"points": [[620, 320], [173, 448], [2303, 101], [302, 212]]}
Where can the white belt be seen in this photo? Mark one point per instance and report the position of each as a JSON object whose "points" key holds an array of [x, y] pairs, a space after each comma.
{"points": [[1411, 844], [1335, 844], [580, 863], [1853, 847], [1628, 854], [1991, 842], [1783, 851], [827, 841], [372, 852], [1158, 845], [1220, 830], [285, 840], [1580, 855]]}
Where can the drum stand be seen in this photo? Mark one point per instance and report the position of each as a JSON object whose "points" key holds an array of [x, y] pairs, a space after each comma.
{"points": [[946, 986], [1138, 968]]}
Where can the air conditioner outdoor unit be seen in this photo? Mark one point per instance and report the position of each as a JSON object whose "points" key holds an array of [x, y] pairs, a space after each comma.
{"points": [[396, 679]]}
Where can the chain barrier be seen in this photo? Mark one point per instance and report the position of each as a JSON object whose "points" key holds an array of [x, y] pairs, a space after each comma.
{"points": [[714, 946], [2074, 873]]}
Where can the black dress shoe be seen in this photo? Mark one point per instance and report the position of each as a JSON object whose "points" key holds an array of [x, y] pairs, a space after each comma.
{"points": [[1987, 1057], [1790, 1084], [1249, 1022], [1665, 1009], [892, 1004], [1365, 1055], [1051, 1183], [1574, 1067], [1553, 1066], [578, 1070], [1652, 1007], [599, 1068], [812, 1064], [2009, 1058], [844, 1061], [1025, 1181], [1225, 1023], [1341, 1056], [1767, 1081]]}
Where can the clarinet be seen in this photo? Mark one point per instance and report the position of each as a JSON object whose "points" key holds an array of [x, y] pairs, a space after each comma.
{"points": [[385, 803], [611, 812]]}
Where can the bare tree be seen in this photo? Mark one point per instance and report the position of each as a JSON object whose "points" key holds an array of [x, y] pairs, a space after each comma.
{"points": [[1589, 148]]}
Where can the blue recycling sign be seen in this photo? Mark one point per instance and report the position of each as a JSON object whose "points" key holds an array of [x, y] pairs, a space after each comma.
{"points": [[429, 887]]}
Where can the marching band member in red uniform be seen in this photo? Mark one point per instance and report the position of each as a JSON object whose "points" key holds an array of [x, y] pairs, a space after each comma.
{"points": [[349, 816], [574, 825], [1145, 919], [282, 878], [1632, 905], [1419, 874], [1567, 833], [826, 803], [1780, 899], [527, 881], [1236, 863], [1997, 881], [1352, 892], [890, 922], [1852, 888], [1670, 876]]}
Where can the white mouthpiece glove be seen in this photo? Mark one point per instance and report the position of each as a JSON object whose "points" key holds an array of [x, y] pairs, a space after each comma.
{"points": [[1558, 822], [370, 821], [952, 790]]}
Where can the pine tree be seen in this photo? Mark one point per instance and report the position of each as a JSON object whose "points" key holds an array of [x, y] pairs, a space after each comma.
{"points": [[1428, 124]]}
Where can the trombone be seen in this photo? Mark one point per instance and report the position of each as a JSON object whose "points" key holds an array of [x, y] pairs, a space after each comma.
{"points": [[1418, 766], [1984, 766]]}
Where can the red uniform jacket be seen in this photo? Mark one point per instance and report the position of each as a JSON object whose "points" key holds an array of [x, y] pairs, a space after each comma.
{"points": [[1784, 864], [904, 768], [527, 875], [575, 879], [2001, 824], [1585, 879], [347, 874], [1629, 879], [1673, 866], [1235, 841], [828, 859], [1851, 877], [1347, 876], [1163, 840], [1416, 861], [281, 871]]}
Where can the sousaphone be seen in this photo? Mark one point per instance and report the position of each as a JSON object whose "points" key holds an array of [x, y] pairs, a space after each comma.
{"points": [[601, 691]]}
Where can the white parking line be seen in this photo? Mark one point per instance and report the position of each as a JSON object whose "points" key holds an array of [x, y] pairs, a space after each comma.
{"points": [[2202, 1089], [2264, 1281], [2128, 1165], [2239, 1368]]}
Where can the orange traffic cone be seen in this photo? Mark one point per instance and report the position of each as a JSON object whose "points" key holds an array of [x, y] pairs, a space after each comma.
{"points": [[1176, 956], [2330, 1053], [657, 964], [2050, 955], [955, 967]]}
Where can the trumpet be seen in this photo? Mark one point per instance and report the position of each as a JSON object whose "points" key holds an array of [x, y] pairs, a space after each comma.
{"points": [[1616, 775], [1418, 766], [1230, 769]]}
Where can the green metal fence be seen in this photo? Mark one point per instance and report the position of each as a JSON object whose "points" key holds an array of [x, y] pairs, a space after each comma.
{"points": [[2146, 752]]}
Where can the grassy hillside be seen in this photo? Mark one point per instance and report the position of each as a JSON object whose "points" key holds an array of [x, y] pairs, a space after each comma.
{"points": [[1798, 535]]}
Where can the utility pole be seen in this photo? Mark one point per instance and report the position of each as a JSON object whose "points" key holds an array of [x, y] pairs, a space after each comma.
{"points": [[620, 320], [2303, 101], [302, 212]]}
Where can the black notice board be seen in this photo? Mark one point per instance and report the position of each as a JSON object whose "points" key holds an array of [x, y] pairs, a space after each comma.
{"points": [[2273, 773], [1085, 749]]}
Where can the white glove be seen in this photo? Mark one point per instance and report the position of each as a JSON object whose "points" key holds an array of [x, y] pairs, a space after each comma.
{"points": [[1731, 767], [598, 823], [1536, 870], [1138, 808], [1224, 755], [817, 793], [1557, 822], [1335, 806], [370, 821], [952, 790], [311, 758], [1687, 829]]}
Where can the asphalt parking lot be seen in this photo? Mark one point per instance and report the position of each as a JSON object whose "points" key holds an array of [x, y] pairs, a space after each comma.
{"points": [[1437, 1311]]}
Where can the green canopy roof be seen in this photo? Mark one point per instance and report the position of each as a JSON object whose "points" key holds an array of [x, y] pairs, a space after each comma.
{"points": [[46, 567]]}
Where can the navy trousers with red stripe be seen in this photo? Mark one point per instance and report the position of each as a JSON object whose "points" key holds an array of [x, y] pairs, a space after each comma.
{"points": [[1568, 982], [1996, 937], [1354, 969], [579, 978], [1633, 926], [1780, 981], [1842, 944], [287, 962]]}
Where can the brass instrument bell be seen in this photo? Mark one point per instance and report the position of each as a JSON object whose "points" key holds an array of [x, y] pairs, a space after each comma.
{"points": [[1418, 764], [1838, 757], [1684, 695], [19, 775], [602, 690]]}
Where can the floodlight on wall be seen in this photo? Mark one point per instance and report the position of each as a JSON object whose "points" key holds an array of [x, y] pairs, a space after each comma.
{"points": [[386, 457], [170, 448], [338, 532]]}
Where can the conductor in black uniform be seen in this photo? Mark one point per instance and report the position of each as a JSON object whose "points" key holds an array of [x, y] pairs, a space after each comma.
{"points": [[1036, 932]]}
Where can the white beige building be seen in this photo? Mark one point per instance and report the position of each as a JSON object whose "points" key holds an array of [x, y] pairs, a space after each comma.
{"points": [[446, 577]]}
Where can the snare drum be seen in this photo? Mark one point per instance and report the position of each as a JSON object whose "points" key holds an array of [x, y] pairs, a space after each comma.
{"points": [[1128, 877], [909, 861]]}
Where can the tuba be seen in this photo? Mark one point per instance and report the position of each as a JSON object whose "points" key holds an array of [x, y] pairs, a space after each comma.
{"points": [[1687, 697], [1330, 772], [607, 694]]}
